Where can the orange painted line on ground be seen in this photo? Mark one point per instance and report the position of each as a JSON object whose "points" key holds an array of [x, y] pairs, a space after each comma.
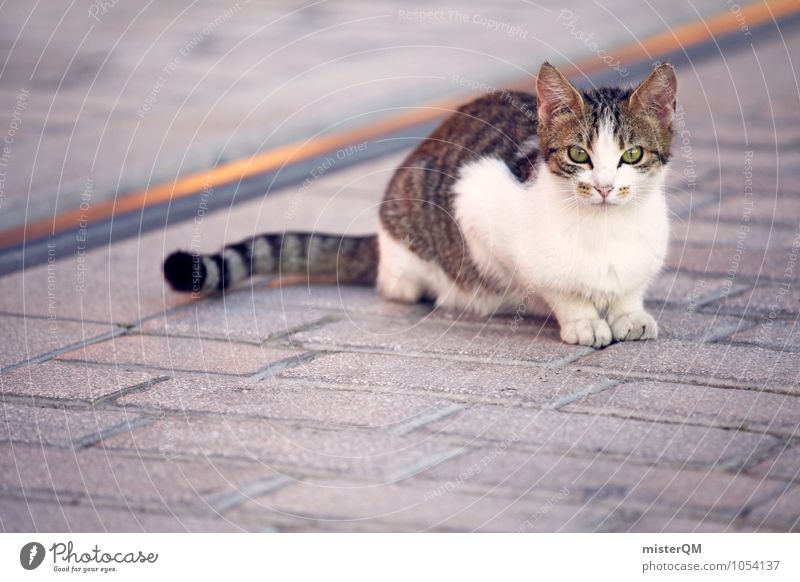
{"points": [[666, 42]]}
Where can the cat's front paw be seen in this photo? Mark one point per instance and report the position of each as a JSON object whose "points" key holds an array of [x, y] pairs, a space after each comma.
{"points": [[638, 325], [587, 332]]}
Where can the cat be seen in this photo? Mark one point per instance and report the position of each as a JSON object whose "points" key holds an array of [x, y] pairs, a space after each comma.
{"points": [[557, 195]]}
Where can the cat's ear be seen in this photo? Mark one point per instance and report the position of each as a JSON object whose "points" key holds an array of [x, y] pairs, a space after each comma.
{"points": [[655, 96], [556, 94]]}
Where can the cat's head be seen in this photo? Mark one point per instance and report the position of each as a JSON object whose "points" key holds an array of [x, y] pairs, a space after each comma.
{"points": [[608, 145]]}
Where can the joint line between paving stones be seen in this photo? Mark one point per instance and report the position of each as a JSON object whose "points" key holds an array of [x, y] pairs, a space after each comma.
{"points": [[160, 333], [754, 457], [750, 279], [426, 418], [287, 335], [172, 310], [467, 443], [753, 313], [764, 500], [141, 387], [727, 330], [678, 421], [689, 380], [422, 464], [596, 388], [124, 426], [68, 348], [285, 364], [722, 293], [225, 501], [151, 368], [69, 319], [554, 363]]}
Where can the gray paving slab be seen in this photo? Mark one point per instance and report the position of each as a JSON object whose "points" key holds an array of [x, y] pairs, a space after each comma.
{"points": [[702, 364], [381, 456], [283, 401], [529, 344], [62, 427], [179, 353], [28, 339], [94, 476], [413, 508], [68, 381], [724, 407], [643, 441], [586, 480], [24, 516]]}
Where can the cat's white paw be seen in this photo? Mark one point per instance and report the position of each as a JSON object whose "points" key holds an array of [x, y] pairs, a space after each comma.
{"points": [[638, 325], [587, 332]]}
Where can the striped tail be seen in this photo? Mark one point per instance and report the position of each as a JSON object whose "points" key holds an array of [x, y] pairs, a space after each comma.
{"points": [[346, 259]]}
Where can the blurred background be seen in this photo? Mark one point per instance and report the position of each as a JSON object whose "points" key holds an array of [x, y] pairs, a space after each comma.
{"points": [[106, 97]]}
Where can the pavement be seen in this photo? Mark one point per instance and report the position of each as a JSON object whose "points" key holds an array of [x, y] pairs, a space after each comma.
{"points": [[128, 407]]}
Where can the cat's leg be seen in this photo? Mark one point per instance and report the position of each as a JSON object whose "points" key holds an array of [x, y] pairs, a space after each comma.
{"points": [[402, 274], [629, 320], [579, 320]]}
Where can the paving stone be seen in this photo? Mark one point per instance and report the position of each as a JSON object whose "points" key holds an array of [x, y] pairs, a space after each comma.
{"points": [[26, 338], [21, 516], [739, 265], [773, 333], [652, 523], [411, 508], [677, 289], [527, 317], [377, 455], [763, 207], [160, 484], [243, 316], [700, 363], [781, 513], [350, 299], [726, 407], [580, 433], [61, 427], [54, 379], [785, 464], [177, 353], [698, 231], [687, 324], [764, 300], [271, 399], [683, 202], [468, 380], [588, 480], [423, 337], [120, 284]]}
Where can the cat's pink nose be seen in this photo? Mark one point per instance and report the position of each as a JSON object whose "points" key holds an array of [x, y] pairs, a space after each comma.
{"points": [[604, 191]]}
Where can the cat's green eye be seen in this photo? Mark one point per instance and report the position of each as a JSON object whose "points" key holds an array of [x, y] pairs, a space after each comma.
{"points": [[577, 154], [633, 155]]}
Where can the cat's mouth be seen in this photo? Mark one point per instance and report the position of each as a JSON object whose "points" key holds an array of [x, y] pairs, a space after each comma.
{"points": [[614, 197]]}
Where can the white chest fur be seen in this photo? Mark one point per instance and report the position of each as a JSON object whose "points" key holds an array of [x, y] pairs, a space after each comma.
{"points": [[535, 237]]}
